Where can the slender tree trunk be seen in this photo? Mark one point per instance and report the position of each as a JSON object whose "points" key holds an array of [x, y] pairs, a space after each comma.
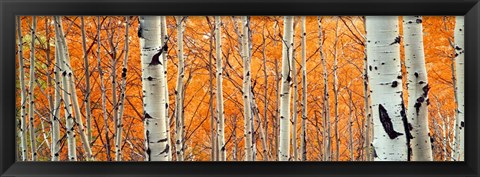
{"points": [[220, 112], [77, 119], [350, 125], [23, 97], [417, 83], [69, 126], [86, 99], [390, 140], [335, 92], [121, 102], [265, 96], [153, 81], [459, 89], [247, 110], [103, 90], [56, 141], [303, 133], [276, 123], [295, 100], [213, 123], [284, 149], [179, 92], [164, 41], [366, 97], [31, 90], [326, 105]]}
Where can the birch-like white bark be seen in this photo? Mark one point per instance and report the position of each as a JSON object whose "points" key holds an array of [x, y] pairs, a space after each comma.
{"points": [[247, 109], [295, 100], [417, 84], [326, 105], [23, 97], [77, 119], [31, 89], [69, 125], [164, 41], [459, 145], [286, 77], [86, 99], [56, 141], [220, 112], [303, 133], [121, 101], [153, 81], [179, 121], [385, 79]]}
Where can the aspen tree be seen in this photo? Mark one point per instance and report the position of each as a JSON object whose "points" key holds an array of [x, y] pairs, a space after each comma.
{"points": [[69, 125], [164, 40], [265, 98], [220, 112], [385, 80], [303, 133], [86, 99], [103, 90], [179, 120], [67, 69], [153, 82], [417, 83], [459, 144], [56, 141], [247, 110], [284, 149], [335, 91], [31, 89], [121, 102], [326, 105], [23, 97], [295, 100]]}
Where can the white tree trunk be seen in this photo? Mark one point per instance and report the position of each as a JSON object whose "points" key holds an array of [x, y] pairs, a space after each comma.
{"points": [[164, 41], [247, 108], [23, 97], [326, 105], [69, 125], [179, 92], [286, 77], [56, 141], [385, 76], [121, 102], [220, 112], [153, 81], [417, 83], [459, 145], [295, 100], [70, 80], [303, 133], [31, 89], [86, 100]]}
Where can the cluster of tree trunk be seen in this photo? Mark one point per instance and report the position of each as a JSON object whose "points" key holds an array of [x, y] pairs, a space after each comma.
{"points": [[396, 126]]}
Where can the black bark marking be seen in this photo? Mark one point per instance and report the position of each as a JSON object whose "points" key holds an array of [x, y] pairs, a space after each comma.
{"points": [[149, 78], [422, 98], [147, 116], [394, 84], [418, 21], [124, 72], [167, 147], [458, 48], [397, 40], [140, 30], [162, 140], [416, 74], [462, 124], [407, 126], [399, 77], [370, 67], [387, 123], [156, 59]]}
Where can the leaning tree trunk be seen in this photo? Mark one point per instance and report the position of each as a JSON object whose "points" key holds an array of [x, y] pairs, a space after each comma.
{"points": [[153, 82], [460, 73], [286, 76], [69, 129], [417, 83], [303, 133], [121, 101], [247, 110], [23, 97], [295, 100], [70, 80], [220, 112], [31, 89], [390, 141]]}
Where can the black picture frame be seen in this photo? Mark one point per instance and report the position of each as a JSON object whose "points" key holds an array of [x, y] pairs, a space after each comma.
{"points": [[10, 8]]}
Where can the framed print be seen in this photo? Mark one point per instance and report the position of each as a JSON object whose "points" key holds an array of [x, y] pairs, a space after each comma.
{"points": [[239, 88]]}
